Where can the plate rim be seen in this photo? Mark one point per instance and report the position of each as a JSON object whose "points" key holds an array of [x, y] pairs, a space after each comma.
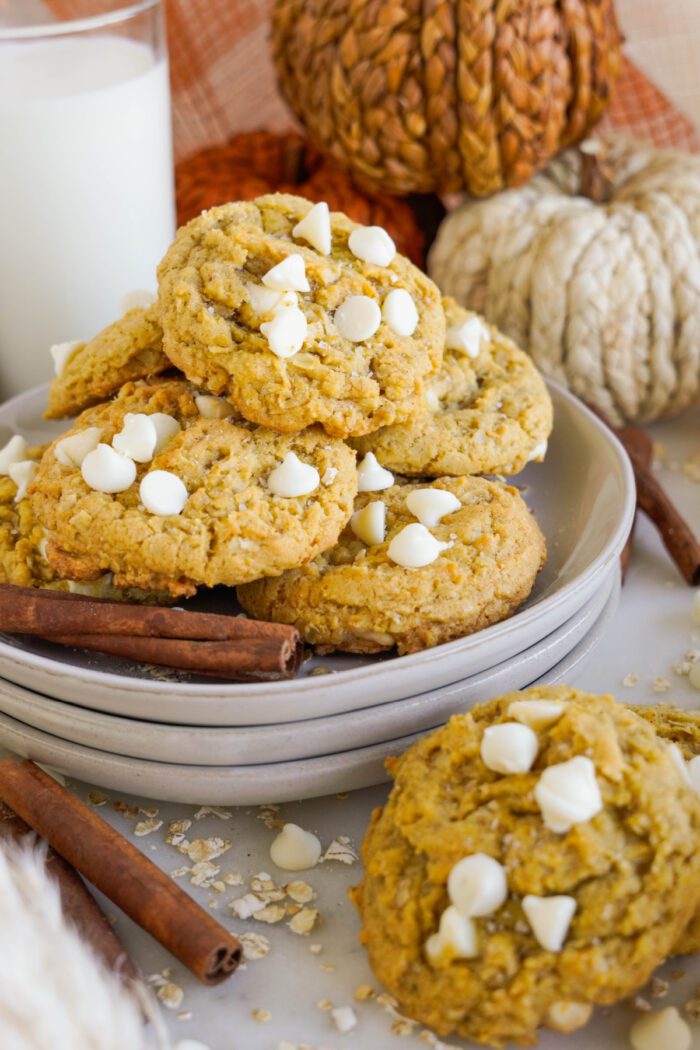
{"points": [[289, 688]]}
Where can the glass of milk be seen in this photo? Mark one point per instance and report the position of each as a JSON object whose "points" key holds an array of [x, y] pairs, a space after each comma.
{"points": [[86, 178]]}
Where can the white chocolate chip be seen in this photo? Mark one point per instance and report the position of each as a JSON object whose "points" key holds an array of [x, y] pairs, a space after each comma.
{"points": [[71, 451], [268, 301], [399, 312], [674, 753], [344, 1018], [372, 244], [467, 336], [293, 478], [211, 407], [166, 428], [289, 275], [13, 452], [661, 1030], [431, 505], [371, 476], [286, 332], [295, 849], [550, 918], [138, 299], [137, 438], [538, 714], [567, 1016], [509, 748], [415, 547], [162, 493], [538, 453], [477, 885], [106, 470], [369, 524], [694, 773], [432, 399], [315, 228], [695, 614], [568, 794], [61, 354], [22, 474], [358, 318], [456, 938]]}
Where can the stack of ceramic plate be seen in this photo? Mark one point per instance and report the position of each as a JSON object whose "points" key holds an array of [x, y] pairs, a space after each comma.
{"points": [[148, 732]]}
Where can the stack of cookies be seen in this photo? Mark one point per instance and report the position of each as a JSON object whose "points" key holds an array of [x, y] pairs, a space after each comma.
{"points": [[299, 414]]}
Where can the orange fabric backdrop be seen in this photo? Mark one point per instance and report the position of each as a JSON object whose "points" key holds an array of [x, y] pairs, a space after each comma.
{"points": [[223, 80]]}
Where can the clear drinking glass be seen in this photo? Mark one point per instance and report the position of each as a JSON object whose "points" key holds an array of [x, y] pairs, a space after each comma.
{"points": [[86, 177]]}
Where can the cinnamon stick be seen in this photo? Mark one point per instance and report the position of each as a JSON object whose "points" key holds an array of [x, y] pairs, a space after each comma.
{"points": [[679, 539], [78, 905], [209, 643], [116, 868]]}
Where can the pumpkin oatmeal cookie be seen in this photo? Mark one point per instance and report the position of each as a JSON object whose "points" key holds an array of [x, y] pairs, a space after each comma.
{"points": [[537, 856], [299, 316], [157, 490], [463, 555], [130, 348], [22, 540], [488, 409]]}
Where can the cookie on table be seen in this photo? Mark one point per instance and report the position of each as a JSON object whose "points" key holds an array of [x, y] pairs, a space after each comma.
{"points": [[489, 411], [130, 348], [681, 728], [537, 856], [275, 305], [160, 490], [417, 565]]}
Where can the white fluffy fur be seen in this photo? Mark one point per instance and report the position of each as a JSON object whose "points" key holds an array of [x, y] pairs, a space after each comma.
{"points": [[54, 993]]}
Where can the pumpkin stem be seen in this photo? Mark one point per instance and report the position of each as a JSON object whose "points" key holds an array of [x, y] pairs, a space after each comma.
{"points": [[595, 183]]}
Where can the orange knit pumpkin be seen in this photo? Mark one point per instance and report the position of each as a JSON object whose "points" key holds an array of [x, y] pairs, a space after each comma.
{"points": [[259, 162], [443, 95]]}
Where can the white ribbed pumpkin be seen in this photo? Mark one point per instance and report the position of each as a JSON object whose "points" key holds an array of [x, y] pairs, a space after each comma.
{"points": [[594, 267]]}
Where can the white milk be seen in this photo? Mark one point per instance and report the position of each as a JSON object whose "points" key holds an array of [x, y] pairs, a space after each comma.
{"points": [[86, 191]]}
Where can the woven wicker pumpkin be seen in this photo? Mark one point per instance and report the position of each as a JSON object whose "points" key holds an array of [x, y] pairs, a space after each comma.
{"points": [[437, 96], [260, 162], [595, 268]]}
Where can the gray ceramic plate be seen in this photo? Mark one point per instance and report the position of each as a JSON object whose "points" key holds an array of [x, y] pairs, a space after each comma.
{"points": [[583, 497], [244, 785], [287, 741]]}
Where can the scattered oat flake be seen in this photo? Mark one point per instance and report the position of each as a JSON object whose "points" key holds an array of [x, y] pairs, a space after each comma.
{"points": [[630, 679], [203, 873], [363, 992], [130, 812], [255, 945], [692, 1007], [213, 811], [316, 671], [328, 967], [271, 913], [261, 1016], [299, 891], [171, 995], [315, 949], [178, 873], [342, 795], [344, 1018], [183, 1015], [205, 849], [147, 827], [402, 1026], [304, 922], [218, 886], [641, 1004], [175, 834], [244, 907], [658, 988], [324, 1004], [97, 798], [233, 878], [660, 684], [267, 815], [341, 850]]}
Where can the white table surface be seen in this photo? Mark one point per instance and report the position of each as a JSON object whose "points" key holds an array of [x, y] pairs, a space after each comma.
{"points": [[649, 635]]}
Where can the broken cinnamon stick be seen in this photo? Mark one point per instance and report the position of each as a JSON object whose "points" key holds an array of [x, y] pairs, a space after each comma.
{"points": [[78, 905], [206, 643], [116, 868], [679, 539]]}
